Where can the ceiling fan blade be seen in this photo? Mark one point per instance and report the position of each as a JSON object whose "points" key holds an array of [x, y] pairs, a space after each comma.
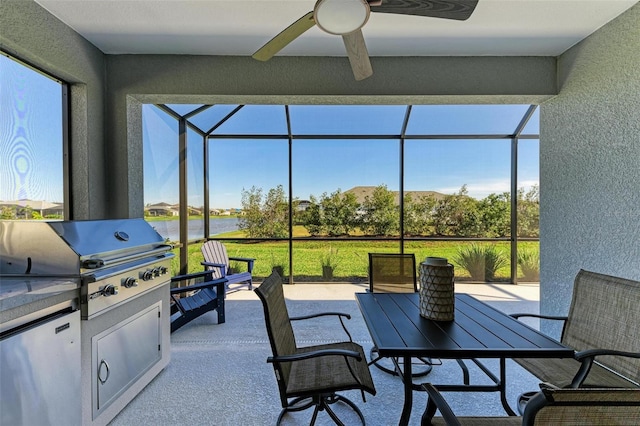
{"points": [[289, 34], [358, 55], [459, 10]]}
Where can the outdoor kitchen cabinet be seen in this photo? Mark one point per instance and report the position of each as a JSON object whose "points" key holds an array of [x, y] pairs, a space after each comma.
{"points": [[39, 372], [123, 353], [116, 274]]}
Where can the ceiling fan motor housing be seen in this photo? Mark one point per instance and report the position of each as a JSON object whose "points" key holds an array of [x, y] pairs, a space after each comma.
{"points": [[341, 17]]}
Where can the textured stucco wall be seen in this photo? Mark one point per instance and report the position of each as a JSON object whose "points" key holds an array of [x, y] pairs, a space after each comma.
{"points": [[31, 34], [204, 79], [590, 163]]}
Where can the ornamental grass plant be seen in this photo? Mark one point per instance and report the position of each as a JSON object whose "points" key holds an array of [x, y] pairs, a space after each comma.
{"points": [[481, 261], [529, 262]]}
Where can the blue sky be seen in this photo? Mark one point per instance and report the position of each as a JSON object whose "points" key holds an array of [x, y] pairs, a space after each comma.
{"points": [[31, 164], [30, 134], [326, 165]]}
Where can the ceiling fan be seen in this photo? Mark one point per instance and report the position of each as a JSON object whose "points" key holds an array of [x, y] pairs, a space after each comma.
{"points": [[347, 17]]}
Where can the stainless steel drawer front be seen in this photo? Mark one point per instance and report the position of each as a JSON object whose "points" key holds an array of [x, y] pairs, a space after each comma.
{"points": [[40, 373], [123, 353]]}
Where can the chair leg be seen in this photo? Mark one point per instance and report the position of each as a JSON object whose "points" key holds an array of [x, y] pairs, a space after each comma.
{"points": [[429, 412], [465, 371], [293, 406], [335, 398], [331, 414], [320, 403], [373, 355]]}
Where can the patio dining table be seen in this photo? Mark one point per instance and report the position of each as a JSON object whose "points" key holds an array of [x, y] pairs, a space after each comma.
{"points": [[478, 331]]}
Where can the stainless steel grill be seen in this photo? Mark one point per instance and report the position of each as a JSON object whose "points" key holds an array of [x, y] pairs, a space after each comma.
{"points": [[113, 260], [119, 272]]}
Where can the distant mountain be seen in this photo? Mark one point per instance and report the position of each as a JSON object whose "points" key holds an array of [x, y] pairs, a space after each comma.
{"points": [[361, 192]]}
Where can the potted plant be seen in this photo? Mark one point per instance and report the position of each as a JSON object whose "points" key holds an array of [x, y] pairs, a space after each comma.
{"points": [[329, 264]]}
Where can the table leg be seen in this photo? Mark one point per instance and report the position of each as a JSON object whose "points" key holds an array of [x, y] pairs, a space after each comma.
{"points": [[503, 388], [408, 391]]}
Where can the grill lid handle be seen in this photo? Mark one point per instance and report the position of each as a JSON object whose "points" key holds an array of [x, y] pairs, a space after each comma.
{"points": [[99, 263], [93, 264]]}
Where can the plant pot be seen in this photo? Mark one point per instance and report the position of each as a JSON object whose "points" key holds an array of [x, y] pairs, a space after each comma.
{"points": [[327, 273]]}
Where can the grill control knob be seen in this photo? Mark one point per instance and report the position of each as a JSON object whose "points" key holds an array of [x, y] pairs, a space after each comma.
{"points": [[130, 282], [156, 271], [163, 270], [147, 275], [109, 290]]}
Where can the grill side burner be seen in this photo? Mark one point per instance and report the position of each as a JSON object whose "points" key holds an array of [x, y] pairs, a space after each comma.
{"points": [[122, 271]]}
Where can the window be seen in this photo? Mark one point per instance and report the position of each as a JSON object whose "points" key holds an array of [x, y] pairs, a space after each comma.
{"points": [[310, 189], [32, 143]]}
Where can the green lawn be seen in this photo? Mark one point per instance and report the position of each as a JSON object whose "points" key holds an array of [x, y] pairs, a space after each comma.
{"points": [[351, 256]]}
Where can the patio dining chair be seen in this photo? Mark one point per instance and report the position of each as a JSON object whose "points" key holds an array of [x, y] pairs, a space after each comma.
{"points": [[394, 273], [550, 406], [311, 376]]}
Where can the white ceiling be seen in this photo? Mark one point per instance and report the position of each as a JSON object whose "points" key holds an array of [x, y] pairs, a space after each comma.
{"points": [[240, 27]]}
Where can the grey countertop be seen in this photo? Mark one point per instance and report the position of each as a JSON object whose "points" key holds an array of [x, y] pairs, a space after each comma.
{"points": [[20, 295]]}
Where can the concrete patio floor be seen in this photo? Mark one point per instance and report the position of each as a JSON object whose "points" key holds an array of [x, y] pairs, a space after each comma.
{"points": [[218, 374]]}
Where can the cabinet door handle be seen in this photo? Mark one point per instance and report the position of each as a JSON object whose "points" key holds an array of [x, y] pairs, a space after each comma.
{"points": [[106, 366]]}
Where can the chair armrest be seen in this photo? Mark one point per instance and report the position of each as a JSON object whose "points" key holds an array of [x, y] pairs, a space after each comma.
{"points": [[193, 275], [340, 315], [219, 283], [437, 401], [249, 261], [549, 317], [321, 314], [221, 266], [243, 259], [587, 357], [592, 353], [214, 265], [315, 354]]}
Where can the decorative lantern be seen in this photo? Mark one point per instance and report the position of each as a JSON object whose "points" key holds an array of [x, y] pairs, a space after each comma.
{"points": [[436, 289]]}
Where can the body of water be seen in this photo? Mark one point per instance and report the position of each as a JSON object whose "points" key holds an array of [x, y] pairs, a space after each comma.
{"points": [[171, 228]]}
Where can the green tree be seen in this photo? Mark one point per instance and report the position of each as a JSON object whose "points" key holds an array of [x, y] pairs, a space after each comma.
{"points": [[276, 212], [312, 218], [458, 215], [529, 212], [7, 212], [265, 216], [339, 213], [252, 220], [380, 213], [418, 214], [495, 212]]}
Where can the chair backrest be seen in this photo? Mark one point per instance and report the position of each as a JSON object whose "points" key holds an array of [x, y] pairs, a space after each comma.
{"points": [[392, 273], [279, 327], [584, 406], [604, 314], [215, 252]]}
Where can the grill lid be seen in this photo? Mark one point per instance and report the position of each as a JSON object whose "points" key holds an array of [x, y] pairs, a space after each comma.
{"points": [[74, 247]]}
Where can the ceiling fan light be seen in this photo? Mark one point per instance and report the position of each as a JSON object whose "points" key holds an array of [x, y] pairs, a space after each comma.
{"points": [[341, 16]]}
